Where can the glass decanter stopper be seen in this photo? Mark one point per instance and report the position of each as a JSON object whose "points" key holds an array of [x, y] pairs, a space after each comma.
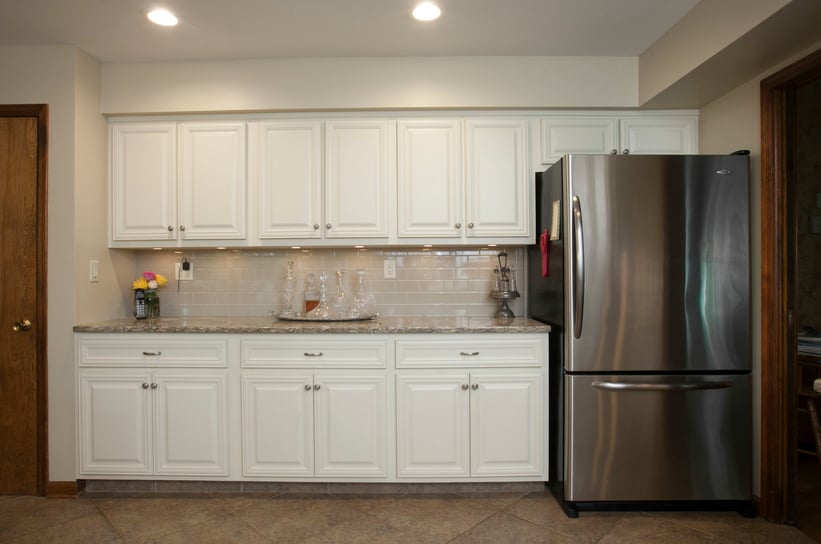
{"points": [[288, 291], [363, 300]]}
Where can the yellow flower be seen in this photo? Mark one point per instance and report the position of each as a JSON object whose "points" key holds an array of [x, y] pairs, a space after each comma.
{"points": [[162, 281], [140, 283]]}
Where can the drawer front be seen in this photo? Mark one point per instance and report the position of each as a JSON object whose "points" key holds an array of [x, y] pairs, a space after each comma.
{"points": [[142, 351], [471, 351], [319, 353]]}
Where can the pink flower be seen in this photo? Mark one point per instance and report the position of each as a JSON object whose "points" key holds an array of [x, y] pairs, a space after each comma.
{"points": [[149, 276]]}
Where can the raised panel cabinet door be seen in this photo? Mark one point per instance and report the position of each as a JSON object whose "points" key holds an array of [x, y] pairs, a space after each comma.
{"points": [[191, 423], [497, 179], [143, 181], [289, 166], [432, 425], [350, 425], [278, 425], [359, 172], [506, 425], [115, 423], [659, 136], [212, 181], [429, 178], [562, 135]]}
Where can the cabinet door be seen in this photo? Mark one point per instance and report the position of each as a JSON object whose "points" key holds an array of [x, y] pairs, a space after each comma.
{"points": [[562, 135], [677, 135], [506, 425], [191, 424], [212, 181], [497, 179], [143, 181], [115, 423], [429, 178], [359, 171], [277, 424], [351, 427], [432, 413], [289, 163]]}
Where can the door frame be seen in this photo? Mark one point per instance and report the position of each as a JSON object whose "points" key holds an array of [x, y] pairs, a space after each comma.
{"points": [[778, 241], [40, 112]]}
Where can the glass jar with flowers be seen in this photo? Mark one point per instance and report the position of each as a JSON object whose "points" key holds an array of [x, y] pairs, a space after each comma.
{"points": [[145, 288]]}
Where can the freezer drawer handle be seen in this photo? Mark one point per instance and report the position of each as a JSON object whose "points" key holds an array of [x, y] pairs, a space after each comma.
{"points": [[578, 268], [612, 386]]}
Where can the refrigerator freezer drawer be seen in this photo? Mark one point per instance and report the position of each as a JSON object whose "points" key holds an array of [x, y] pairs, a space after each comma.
{"points": [[658, 438]]}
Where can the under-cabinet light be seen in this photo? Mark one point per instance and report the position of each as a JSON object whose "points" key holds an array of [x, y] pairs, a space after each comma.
{"points": [[426, 11], [162, 17]]}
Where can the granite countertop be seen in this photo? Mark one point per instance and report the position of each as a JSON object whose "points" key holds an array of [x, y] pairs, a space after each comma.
{"points": [[270, 325]]}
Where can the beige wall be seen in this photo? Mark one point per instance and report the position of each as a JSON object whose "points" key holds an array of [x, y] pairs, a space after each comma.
{"points": [[733, 122], [370, 83]]}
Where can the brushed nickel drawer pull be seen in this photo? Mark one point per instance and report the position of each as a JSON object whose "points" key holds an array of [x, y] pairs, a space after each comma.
{"points": [[313, 354], [469, 353], [152, 353]]}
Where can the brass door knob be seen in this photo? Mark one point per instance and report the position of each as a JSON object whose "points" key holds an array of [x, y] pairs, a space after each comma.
{"points": [[23, 325]]}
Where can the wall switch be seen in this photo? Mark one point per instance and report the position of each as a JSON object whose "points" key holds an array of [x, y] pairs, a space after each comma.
{"points": [[183, 275], [93, 271], [389, 270]]}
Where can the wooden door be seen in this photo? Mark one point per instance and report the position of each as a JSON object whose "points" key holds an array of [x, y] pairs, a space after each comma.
{"points": [[22, 300]]}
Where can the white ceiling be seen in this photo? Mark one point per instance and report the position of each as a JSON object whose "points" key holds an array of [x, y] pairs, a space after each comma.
{"points": [[117, 31]]}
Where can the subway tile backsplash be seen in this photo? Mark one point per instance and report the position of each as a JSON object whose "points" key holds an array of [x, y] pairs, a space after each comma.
{"points": [[453, 282]]}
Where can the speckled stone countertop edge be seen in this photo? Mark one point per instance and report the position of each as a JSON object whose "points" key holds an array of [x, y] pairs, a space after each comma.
{"points": [[268, 325]]}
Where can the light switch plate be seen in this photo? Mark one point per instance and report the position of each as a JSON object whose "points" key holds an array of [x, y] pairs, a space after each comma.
{"points": [[389, 269], [93, 271]]}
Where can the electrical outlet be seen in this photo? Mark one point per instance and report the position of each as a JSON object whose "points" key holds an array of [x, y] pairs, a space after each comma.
{"points": [[389, 270], [184, 275]]}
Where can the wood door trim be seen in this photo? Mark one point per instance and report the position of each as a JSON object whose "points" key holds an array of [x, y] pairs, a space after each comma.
{"points": [[777, 335], [40, 112]]}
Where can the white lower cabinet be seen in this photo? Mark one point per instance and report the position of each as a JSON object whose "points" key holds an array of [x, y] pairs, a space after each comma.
{"points": [[163, 423], [469, 424], [314, 424]]}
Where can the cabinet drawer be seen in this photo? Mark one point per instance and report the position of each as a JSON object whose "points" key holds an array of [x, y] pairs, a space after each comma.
{"points": [[314, 353], [148, 351], [470, 351]]}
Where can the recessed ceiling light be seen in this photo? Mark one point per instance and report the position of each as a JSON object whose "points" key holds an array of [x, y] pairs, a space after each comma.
{"points": [[162, 17], [426, 11]]}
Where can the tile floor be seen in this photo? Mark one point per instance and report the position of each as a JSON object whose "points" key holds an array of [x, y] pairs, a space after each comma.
{"points": [[514, 517]]}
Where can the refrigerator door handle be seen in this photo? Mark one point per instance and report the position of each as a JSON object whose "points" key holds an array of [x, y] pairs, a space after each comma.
{"points": [[578, 268], [625, 386]]}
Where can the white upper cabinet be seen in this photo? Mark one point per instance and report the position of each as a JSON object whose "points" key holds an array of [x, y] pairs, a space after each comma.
{"points": [[212, 181], [143, 181], [429, 178], [172, 183], [360, 170], [497, 178], [624, 134], [289, 166]]}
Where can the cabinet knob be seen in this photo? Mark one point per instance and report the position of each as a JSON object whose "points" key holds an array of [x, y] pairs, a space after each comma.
{"points": [[182, 227], [327, 225], [21, 326], [316, 387], [614, 151], [465, 387], [153, 386], [145, 385], [625, 151], [170, 228], [470, 225], [316, 226], [458, 225], [475, 386], [307, 387]]}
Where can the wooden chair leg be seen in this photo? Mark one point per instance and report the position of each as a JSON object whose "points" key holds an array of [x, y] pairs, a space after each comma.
{"points": [[816, 427]]}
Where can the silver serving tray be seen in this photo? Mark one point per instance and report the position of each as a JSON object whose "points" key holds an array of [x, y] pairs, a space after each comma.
{"points": [[303, 317]]}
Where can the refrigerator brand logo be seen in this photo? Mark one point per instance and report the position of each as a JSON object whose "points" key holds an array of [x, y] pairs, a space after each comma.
{"points": [[724, 172]]}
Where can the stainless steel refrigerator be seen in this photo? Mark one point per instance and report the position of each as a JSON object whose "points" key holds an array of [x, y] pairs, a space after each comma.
{"points": [[643, 270]]}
